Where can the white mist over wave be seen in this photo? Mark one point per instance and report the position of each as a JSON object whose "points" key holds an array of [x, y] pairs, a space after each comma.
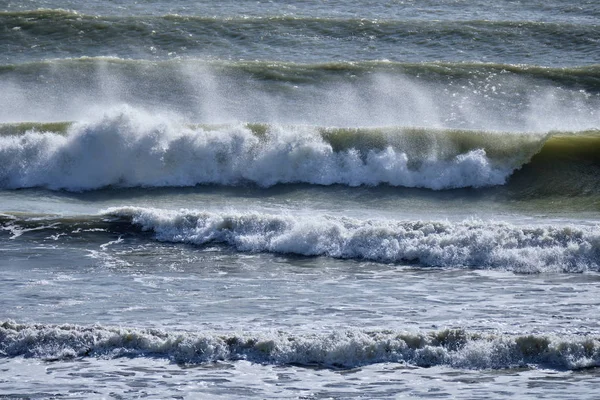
{"points": [[319, 94], [347, 349], [127, 148], [475, 244]]}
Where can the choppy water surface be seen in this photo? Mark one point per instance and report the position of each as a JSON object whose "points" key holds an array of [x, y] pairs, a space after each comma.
{"points": [[299, 199]]}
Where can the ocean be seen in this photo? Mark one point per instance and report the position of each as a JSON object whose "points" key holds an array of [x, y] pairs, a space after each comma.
{"points": [[299, 199]]}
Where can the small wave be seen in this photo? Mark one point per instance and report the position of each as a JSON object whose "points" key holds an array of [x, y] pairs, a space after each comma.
{"points": [[579, 77], [33, 33], [324, 24], [339, 349], [475, 244]]}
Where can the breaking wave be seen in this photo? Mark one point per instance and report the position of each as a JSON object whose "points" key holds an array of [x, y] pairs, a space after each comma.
{"points": [[127, 151], [127, 148], [339, 349], [474, 244]]}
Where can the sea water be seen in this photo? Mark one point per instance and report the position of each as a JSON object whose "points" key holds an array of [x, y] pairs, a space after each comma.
{"points": [[299, 199]]}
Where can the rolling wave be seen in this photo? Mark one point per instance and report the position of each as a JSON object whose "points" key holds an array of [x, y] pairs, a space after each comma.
{"points": [[468, 244], [577, 77], [338, 349], [124, 150], [30, 33], [130, 149], [475, 244]]}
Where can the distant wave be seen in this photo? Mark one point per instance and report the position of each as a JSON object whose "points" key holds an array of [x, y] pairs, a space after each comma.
{"points": [[582, 77], [468, 244], [56, 16], [30, 33], [338, 349]]}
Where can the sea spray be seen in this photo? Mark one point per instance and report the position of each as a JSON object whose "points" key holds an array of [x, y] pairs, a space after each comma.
{"points": [[479, 96]]}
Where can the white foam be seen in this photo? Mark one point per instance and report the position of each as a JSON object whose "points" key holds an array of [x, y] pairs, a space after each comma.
{"points": [[471, 243], [349, 348], [127, 148], [17, 231]]}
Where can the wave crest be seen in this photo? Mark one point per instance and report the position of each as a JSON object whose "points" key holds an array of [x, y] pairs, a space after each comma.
{"points": [[127, 149], [346, 349], [475, 244]]}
